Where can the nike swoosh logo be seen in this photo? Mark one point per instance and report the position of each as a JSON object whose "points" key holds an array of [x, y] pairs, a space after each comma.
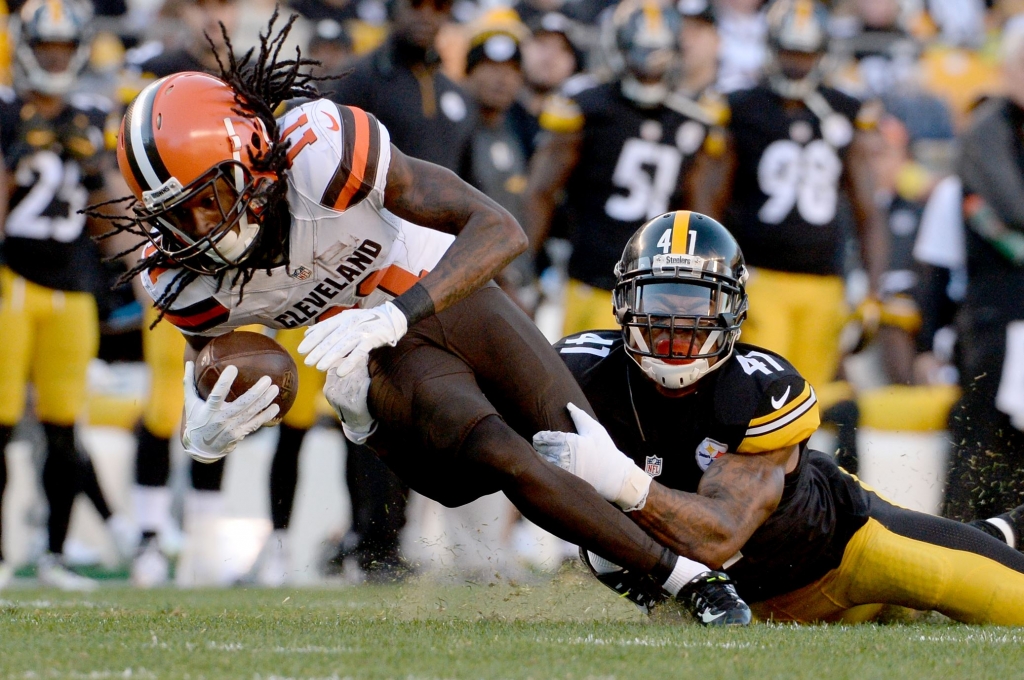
{"points": [[207, 441], [334, 122], [706, 617], [781, 400]]}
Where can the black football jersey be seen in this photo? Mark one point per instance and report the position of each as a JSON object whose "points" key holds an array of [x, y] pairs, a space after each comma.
{"points": [[788, 179], [631, 161], [755, 403], [53, 165]]}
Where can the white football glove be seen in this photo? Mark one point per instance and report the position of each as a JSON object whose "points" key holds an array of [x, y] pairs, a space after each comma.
{"points": [[213, 427], [346, 339], [592, 456], [347, 394]]}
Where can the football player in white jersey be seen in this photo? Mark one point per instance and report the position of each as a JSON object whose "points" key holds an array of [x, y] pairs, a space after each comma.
{"points": [[317, 220]]}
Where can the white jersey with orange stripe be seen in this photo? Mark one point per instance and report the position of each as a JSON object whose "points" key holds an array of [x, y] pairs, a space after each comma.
{"points": [[345, 248]]}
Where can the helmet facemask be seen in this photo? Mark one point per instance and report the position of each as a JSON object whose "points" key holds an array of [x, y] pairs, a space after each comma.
{"points": [[679, 327], [210, 224]]}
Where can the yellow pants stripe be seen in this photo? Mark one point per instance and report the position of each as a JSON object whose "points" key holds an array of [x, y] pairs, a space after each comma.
{"points": [[882, 567]]}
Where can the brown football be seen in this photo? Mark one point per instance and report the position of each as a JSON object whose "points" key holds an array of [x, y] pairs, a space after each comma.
{"points": [[254, 355]]}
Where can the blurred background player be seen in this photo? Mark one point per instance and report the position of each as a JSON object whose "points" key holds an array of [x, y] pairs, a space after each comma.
{"points": [[497, 161], [401, 82], [53, 146], [621, 152], [699, 48], [797, 148], [549, 58], [331, 45]]}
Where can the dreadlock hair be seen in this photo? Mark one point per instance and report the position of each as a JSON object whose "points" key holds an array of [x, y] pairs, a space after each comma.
{"points": [[262, 81]]}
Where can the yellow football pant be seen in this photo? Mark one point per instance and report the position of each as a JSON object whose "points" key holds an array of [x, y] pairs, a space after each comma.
{"points": [[799, 316], [47, 337], [163, 348], [587, 309], [880, 566]]}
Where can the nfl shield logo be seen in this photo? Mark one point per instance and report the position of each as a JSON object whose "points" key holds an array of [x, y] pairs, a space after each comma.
{"points": [[653, 467], [300, 273]]}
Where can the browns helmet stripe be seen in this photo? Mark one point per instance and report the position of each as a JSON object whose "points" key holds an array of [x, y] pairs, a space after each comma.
{"points": [[356, 174], [140, 143]]}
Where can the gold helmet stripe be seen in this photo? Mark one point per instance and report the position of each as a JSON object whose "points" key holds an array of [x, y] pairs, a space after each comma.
{"points": [[652, 17], [680, 230]]}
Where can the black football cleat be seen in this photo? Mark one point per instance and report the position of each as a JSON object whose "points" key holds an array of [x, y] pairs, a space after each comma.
{"points": [[712, 600]]}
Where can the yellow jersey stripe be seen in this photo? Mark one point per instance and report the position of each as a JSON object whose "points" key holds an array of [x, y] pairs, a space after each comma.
{"points": [[782, 421], [794, 403], [680, 230], [789, 434]]}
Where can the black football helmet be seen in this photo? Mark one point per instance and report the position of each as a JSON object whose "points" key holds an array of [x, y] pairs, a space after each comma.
{"points": [[645, 39], [680, 298], [50, 21], [796, 26]]}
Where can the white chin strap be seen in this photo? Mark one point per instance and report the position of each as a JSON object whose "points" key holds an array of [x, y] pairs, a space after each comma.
{"points": [[675, 376], [233, 244]]}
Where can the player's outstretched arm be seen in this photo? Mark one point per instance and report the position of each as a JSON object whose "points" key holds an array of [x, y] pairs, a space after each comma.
{"points": [[735, 496], [487, 236]]}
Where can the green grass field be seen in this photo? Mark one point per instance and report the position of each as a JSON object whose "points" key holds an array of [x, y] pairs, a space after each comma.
{"points": [[566, 628]]}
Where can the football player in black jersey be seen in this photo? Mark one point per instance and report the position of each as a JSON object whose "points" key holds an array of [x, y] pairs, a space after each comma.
{"points": [[621, 151], [721, 429], [796, 148], [53, 147]]}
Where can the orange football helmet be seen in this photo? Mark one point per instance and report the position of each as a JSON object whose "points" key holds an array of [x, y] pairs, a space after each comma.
{"points": [[185, 148]]}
